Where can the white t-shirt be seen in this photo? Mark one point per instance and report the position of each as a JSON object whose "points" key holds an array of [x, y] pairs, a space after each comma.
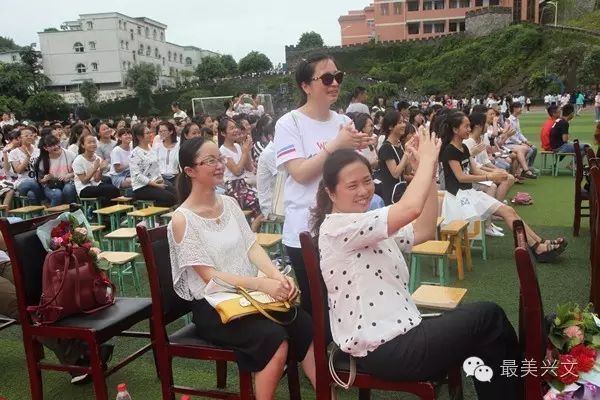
{"points": [[18, 155], [168, 159], [266, 176], [301, 137], [61, 166], [119, 156], [367, 280], [235, 156], [80, 166], [480, 158]]}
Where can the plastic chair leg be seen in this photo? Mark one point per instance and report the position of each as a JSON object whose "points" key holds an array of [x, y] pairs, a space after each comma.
{"points": [[136, 278]]}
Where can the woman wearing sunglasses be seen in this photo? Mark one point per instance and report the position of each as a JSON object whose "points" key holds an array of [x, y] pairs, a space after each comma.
{"points": [[303, 139]]}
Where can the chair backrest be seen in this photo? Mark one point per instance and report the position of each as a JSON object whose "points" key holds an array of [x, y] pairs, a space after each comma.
{"points": [[578, 165], [532, 332], [27, 257], [320, 313], [167, 306], [591, 157], [594, 228]]}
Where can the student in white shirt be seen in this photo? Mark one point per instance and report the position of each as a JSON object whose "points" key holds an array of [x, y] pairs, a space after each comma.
{"points": [[371, 313], [55, 173], [167, 150], [303, 139], [22, 160], [119, 158], [177, 113]]}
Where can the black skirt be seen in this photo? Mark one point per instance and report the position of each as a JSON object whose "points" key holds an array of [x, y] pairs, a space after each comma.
{"points": [[254, 338]]}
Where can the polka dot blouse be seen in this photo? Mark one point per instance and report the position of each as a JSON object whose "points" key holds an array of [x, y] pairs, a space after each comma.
{"points": [[367, 280]]}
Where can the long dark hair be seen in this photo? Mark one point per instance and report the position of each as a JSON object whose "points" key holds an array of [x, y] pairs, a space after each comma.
{"points": [[186, 129], [81, 142], [222, 129], [305, 71], [138, 130], [76, 132], [331, 170], [389, 121], [444, 123], [171, 129], [187, 157], [44, 158]]}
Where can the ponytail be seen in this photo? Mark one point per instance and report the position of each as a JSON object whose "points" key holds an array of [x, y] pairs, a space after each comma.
{"points": [[321, 209], [187, 155], [184, 187]]}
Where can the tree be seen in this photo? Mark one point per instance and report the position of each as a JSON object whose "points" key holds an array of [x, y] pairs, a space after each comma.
{"points": [[46, 105], [254, 62], [16, 80], [8, 44], [589, 71], [309, 40], [32, 60], [186, 77], [211, 67], [11, 104], [89, 91], [142, 78], [383, 89], [229, 63], [567, 60]]}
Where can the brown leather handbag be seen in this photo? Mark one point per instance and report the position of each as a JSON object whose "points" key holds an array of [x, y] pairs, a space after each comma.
{"points": [[71, 285]]}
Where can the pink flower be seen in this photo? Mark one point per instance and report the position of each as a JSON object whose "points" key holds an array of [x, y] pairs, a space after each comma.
{"points": [[574, 332], [81, 230]]}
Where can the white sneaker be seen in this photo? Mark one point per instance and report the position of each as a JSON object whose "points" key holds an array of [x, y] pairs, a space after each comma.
{"points": [[496, 227], [492, 232]]}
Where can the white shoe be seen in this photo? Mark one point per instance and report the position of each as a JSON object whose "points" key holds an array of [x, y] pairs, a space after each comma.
{"points": [[496, 227], [492, 232]]}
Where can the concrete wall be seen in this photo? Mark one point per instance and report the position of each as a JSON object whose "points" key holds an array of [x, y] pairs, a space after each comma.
{"points": [[484, 21]]}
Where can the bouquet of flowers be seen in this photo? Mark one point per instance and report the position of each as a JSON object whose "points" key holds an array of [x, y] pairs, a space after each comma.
{"points": [[574, 343], [71, 229]]}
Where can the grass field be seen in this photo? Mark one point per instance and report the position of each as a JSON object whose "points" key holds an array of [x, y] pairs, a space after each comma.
{"points": [[494, 280]]}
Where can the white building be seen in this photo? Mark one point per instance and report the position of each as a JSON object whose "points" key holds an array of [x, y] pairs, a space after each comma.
{"points": [[8, 57], [102, 47]]}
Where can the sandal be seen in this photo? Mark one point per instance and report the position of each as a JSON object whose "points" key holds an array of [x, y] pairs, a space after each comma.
{"points": [[561, 242], [547, 256], [528, 174]]}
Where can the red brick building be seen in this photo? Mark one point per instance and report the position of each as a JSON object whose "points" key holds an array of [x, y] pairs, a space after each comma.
{"points": [[418, 19]]}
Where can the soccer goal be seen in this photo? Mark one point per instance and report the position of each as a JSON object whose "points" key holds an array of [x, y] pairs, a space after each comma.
{"points": [[216, 105]]}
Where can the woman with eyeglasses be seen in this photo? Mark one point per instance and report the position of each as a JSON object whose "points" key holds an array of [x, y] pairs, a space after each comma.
{"points": [[238, 162], [120, 174], [22, 160], [303, 139], [167, 149], [146, 180], [210, 240], [54, 172]]}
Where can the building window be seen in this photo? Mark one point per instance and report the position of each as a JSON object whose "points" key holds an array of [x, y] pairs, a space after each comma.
{"points": [[92, 45], [124, 65], [171, 71], [90, 25], [413, 28], [460, 3], [147, 32], [125, 25], [126, 45], [162, 36], [133, 54], [156, 52], [80, 68], [478, 3], [180, 59], [120, 24], [188, 61], [131, 34], [148, 51], [163, 60], [94, 66], [397, 8], [13, 57], [169, 55], [141, 49], [139, 30], [128, 64], [433, 5], [412, 6], [122, 44], [385, 10], [78, 47], [494, 2], [154, 34]]}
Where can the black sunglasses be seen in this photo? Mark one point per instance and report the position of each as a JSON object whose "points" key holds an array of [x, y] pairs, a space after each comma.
{"points": [[327, 78]]}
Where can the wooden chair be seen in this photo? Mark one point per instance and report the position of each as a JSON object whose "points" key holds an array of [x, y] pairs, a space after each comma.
{"points": [[581, 195], [167, 307], [594, 229], [532, 335], [27, 257], [364, 382]]}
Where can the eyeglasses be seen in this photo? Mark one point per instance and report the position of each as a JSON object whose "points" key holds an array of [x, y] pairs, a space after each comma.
{"points": [[327, 78], [212, 161]]}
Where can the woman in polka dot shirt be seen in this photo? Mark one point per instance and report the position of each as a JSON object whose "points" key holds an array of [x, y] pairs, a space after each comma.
{"points": [[372, 315]]}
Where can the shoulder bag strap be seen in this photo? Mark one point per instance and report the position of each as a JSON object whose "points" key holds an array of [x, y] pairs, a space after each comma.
{"points": [[244, 293], [336, 379]]}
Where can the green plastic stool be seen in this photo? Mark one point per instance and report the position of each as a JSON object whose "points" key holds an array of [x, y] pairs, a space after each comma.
{"points": [[123, 263], [89, 205]]}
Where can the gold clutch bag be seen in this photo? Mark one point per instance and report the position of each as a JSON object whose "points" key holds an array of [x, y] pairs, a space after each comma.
{"points": [[245, 303]]}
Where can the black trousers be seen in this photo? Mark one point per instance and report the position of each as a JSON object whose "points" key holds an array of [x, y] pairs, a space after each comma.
{"points": [[105, 192], [438, 344], [162, 197], [297, 261]]}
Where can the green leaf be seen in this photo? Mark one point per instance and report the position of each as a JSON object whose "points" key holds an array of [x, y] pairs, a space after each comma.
{"points": [[557, 341], [103, 264]]}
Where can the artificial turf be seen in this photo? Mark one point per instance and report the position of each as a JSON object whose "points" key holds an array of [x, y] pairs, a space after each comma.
{"points": [[493, 280]]}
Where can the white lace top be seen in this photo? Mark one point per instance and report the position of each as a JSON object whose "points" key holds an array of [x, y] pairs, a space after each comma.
{"points": [[221, 243]]}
